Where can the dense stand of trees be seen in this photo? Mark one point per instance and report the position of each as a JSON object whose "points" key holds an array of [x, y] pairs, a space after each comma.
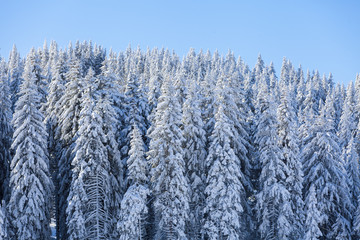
{"points": [[143, 145]]}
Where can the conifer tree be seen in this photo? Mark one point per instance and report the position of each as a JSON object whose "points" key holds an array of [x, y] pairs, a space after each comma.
{"points": [[134, 203], [308, 112], [44, 56], [301, 86], [69, 111], [285, 72], [339, 99], [350, 158], [29, 205], [112, 109], [313, 219], [348, 144], [108, 115], [208, 102], [35, 68], [288, 144], [347, 124], [258, 69], [274, 200], [154, 90], [56, 90], [225, 193], [15, 75], [89, 201], [242, 121], [326, 174], [155, 82], [168, 167], [5, 132], [137, 104], [136, 111], [194, 156]]}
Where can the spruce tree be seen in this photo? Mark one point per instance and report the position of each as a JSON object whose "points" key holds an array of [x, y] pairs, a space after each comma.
{"points": [[274, 199], [134, 203], [347, 125], [113, 114], [56, 90], [29, 205], [313, 217], [89, 195], [288, 144], [15, 75], [35, 68], [285, 72], [349, 156], [69, 111], [326, 174], [225, 193], [5, 132], [194, 156], [168, 167]]}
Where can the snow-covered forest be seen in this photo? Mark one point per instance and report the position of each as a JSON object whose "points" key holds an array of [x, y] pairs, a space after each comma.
{"points": [[145, 145]]}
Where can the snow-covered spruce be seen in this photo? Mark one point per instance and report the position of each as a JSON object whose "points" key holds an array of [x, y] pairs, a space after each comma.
{"points": [[68, 118], [314, 118], [194, 156], [273, 205], [326, 174], [134, 204], [289, 146], [224, 203], [87, 213], [5, 132], [29, 205], [166, 156]]}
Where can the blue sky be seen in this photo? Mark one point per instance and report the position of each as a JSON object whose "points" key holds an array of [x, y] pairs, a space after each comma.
{"points": [[323, 35]]}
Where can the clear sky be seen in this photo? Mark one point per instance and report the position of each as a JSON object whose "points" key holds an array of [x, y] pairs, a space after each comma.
{"points": [[323, 35]]}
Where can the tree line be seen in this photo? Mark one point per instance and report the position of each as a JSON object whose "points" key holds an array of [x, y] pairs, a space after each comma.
{"points": [[145, 145]]}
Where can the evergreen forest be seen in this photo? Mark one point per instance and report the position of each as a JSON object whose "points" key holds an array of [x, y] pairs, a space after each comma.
{"points": [[130, 145]]}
